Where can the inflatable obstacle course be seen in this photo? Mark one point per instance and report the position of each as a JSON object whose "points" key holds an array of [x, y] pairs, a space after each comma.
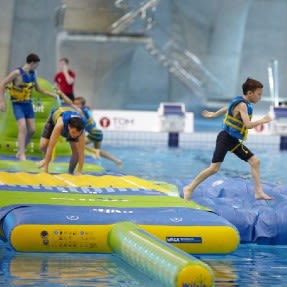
{"points": [[107, 213], [76, 204], [144, 222]]}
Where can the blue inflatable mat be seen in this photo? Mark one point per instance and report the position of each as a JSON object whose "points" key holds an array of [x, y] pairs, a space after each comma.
{"points": [[258, 221]]}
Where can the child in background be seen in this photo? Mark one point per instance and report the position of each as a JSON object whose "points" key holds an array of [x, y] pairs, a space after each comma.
{"points": [[94, 135], [65, 78]]}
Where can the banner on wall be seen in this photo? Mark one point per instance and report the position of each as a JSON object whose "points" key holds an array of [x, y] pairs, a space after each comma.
{"points": [[140, 121]]}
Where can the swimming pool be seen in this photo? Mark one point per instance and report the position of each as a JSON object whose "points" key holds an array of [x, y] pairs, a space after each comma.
{"points": [[250, 265], [163, 163]]}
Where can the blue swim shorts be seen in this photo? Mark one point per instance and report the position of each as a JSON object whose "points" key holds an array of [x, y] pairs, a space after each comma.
{"points": [[23, 110]]}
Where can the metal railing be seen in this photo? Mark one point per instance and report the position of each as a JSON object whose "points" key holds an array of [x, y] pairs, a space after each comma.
{"points": [[184, 65], [129, 18]]}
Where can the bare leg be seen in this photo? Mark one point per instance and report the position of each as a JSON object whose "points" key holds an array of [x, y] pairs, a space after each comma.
{"points": [[109, 156], [43, 147], [21, 139], [30, 130], [255, 165], [74, 158], [98, 152], [204, 174]]}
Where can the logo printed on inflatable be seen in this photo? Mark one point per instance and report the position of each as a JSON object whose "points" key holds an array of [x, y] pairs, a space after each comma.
{"points": [[39, 108], [73, 217], [108, 210], [175, 219], [173, 239]]}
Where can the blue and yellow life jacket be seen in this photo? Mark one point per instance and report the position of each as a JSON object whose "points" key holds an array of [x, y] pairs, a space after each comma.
{"points": [[235, 126], [91, 124], [94, 134], [66, 113], [22, 92]]}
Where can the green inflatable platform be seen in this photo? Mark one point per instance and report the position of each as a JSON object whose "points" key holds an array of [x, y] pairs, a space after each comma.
{"points": [[42, 107]]}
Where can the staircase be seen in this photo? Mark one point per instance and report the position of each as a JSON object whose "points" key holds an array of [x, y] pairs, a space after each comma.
{"points": [[175, 67], [180, 62], [142, 11], [130, 20]]}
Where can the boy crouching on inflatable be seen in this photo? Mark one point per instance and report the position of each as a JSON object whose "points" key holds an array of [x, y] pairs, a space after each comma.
{"points": [[66, 122]]}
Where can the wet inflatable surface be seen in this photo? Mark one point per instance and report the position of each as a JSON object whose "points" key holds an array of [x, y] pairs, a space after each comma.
{"points": [[258, 221]]}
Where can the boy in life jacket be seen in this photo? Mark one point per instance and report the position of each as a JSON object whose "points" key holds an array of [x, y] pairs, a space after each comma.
{"points": [[66, 122], [94, 135], [21, 81], [235, 127]]}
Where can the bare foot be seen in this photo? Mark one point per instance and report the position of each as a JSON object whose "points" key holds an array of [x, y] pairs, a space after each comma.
{"points": [[187, 193], [262, 195], [20, 156], [41, 163]]}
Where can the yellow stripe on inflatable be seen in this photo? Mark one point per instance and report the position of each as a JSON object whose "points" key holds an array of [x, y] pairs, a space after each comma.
{"points": [[67, 180]]}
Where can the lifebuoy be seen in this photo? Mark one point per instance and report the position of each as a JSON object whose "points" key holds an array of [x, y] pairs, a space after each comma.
{"points": [[259, 128]]}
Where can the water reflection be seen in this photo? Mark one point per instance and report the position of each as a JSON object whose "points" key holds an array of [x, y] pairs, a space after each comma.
{"points": [[68, 270], [250, 265]]}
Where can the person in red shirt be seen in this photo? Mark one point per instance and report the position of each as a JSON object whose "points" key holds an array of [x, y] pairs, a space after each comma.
{"points": [[65, 79]]}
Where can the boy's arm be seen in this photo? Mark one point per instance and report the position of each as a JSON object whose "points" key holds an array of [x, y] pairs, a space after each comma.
{"points": [[242, 108], [68, 101], [208, 114], [63, 96], [81, 147], [43, 91]]}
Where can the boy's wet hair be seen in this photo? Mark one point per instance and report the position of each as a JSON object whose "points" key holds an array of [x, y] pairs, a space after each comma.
{"points": [[76, 123], [32, 58], [81, 100], [251, 85]]}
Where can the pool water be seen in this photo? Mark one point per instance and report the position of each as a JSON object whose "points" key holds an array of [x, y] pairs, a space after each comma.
{"points": [[249, 265], [164, 164]]}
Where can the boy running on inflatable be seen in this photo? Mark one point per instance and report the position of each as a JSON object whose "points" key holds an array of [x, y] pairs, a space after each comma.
{"points": [[235, 128]]}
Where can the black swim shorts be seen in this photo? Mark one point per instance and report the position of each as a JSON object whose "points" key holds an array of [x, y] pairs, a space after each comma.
{"points": [[224, 143]]}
